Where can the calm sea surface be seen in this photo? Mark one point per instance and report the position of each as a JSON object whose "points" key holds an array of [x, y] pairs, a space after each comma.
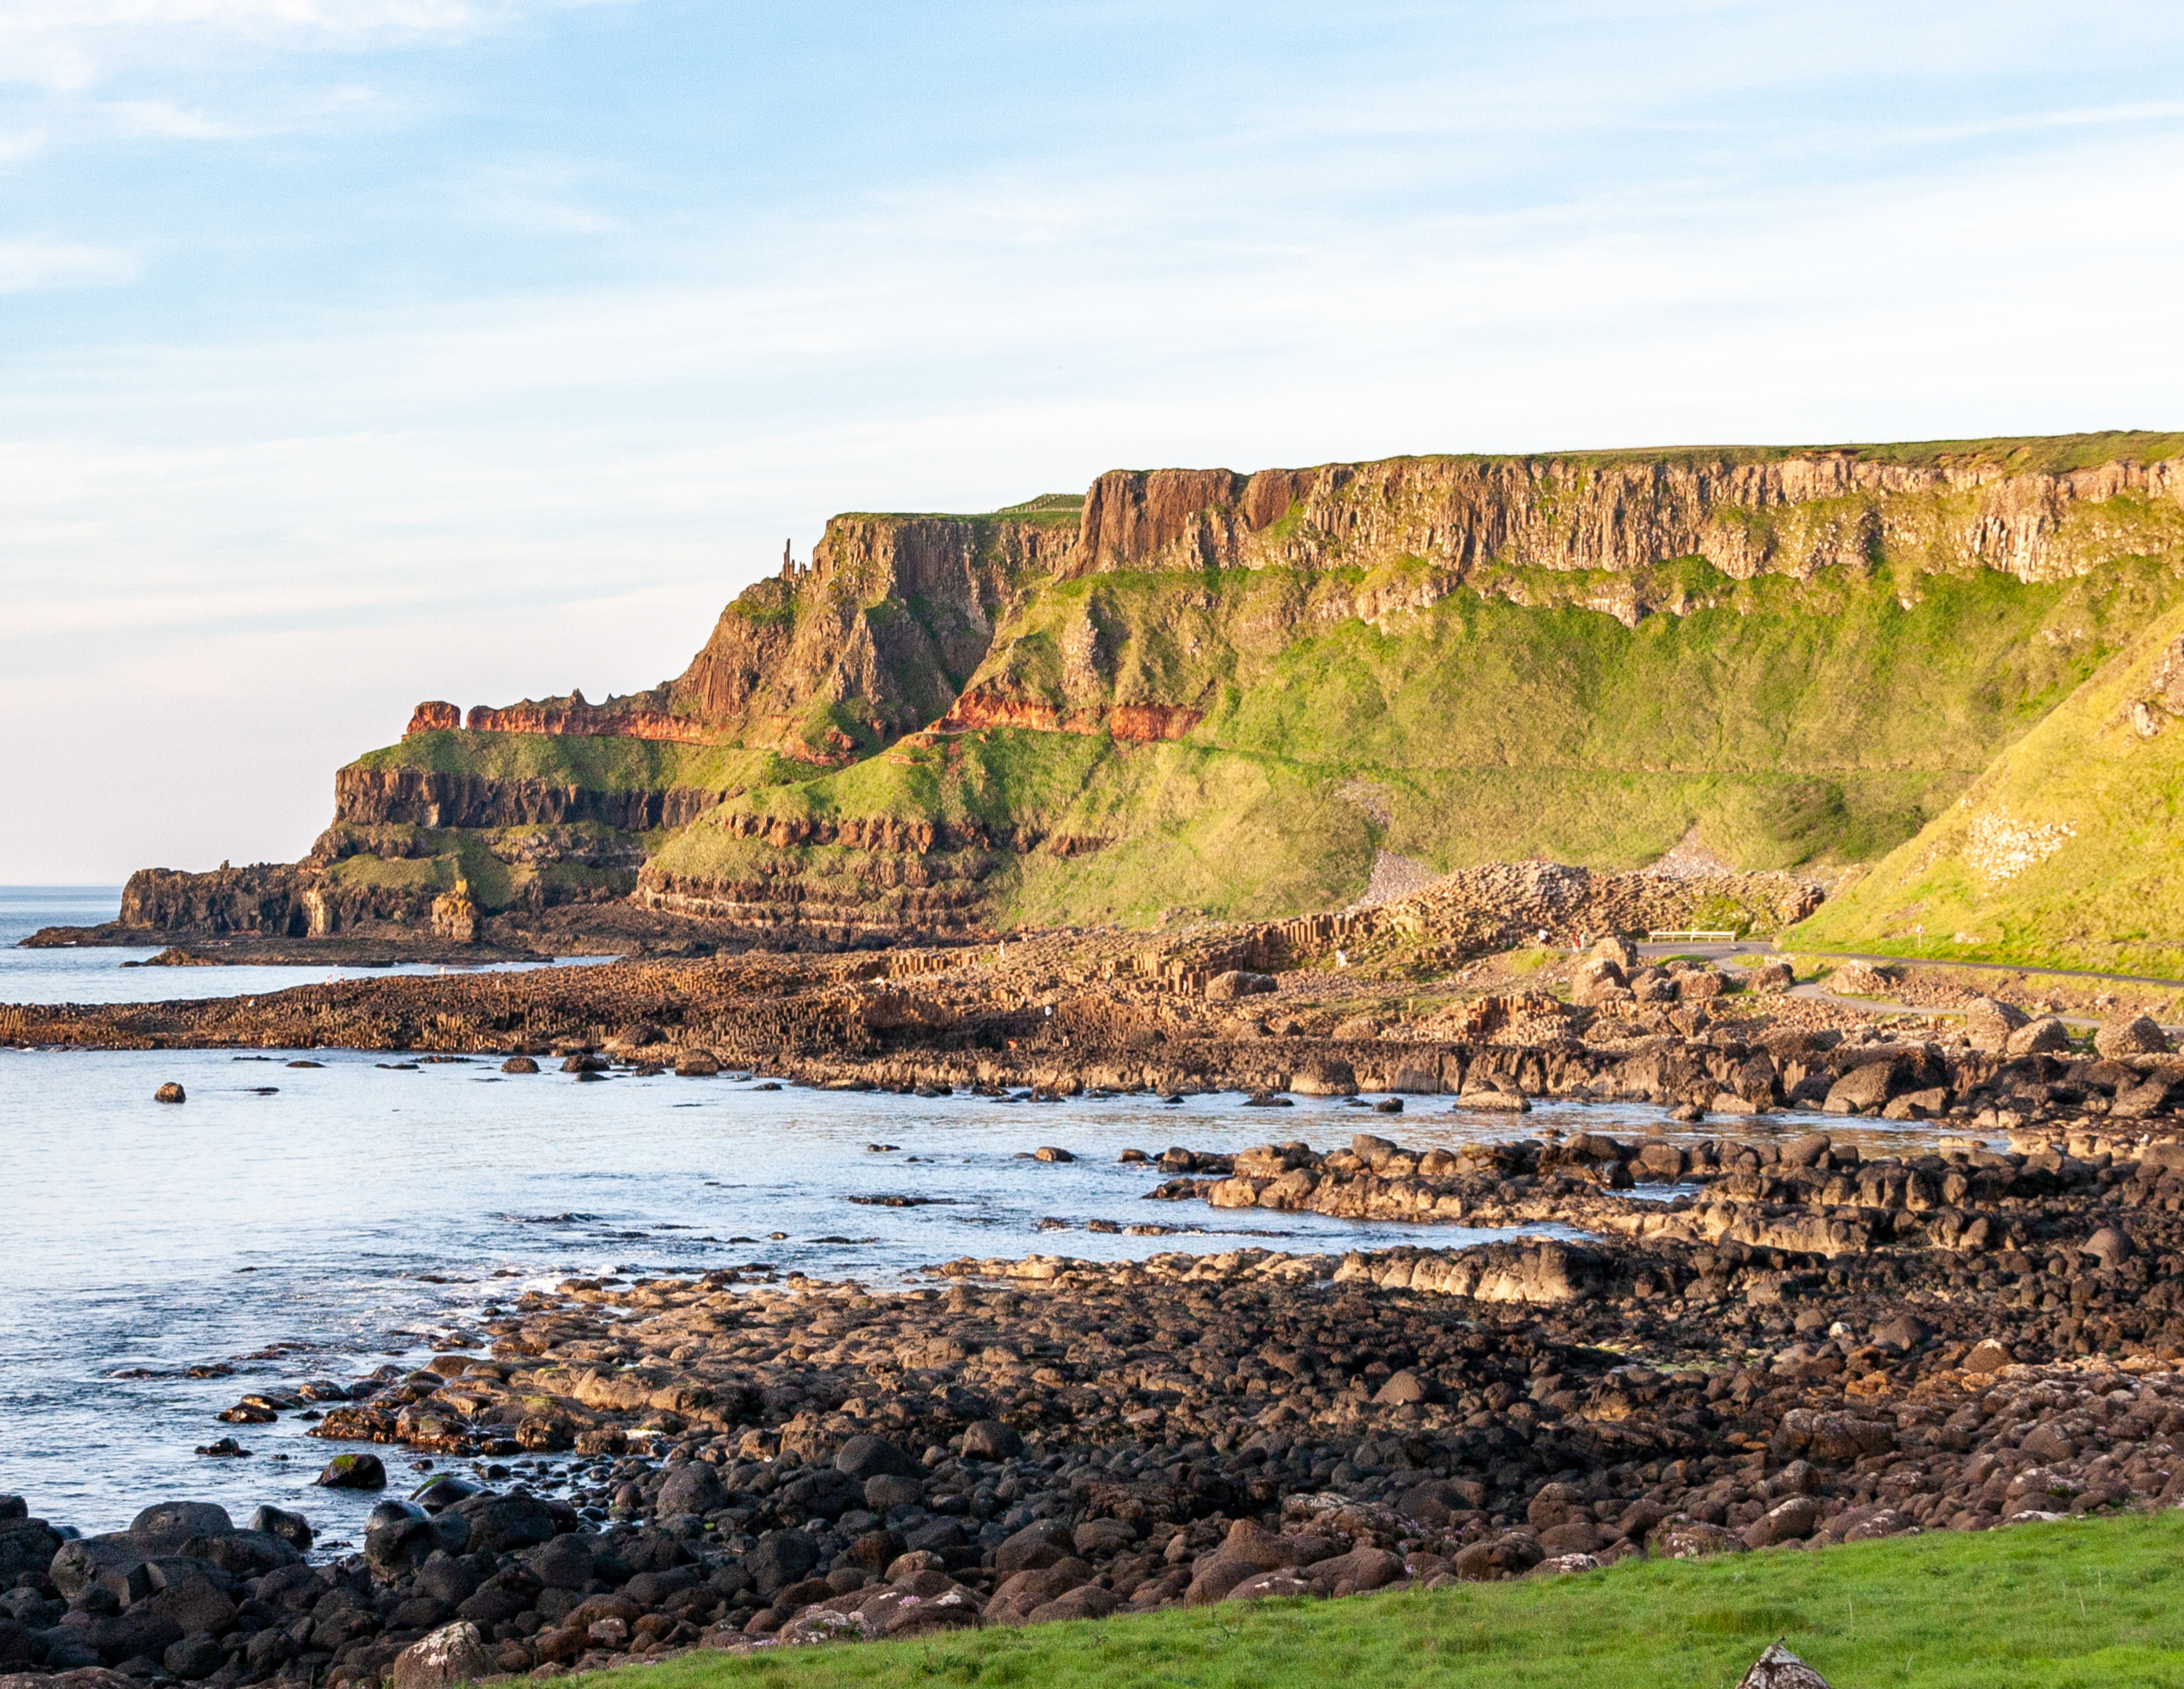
{"points": [[296, 1223]]}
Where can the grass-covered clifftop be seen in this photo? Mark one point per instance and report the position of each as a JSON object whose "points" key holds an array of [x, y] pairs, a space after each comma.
{"points": [[1816, 722], [1792, 656]]}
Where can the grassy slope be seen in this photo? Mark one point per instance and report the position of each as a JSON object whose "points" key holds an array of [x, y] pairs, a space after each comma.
{"points": [[2111, 897], [2034, 1607], [594, 764], [1814, 723], [1793, 723]]}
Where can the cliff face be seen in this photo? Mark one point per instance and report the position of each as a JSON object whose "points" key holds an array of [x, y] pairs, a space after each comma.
{"points": [[426, 797], [1206, 689], [872, 640], [1794, 515]]}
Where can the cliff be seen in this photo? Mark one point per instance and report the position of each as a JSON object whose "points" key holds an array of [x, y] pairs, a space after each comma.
{"points": [[1198, 689]]}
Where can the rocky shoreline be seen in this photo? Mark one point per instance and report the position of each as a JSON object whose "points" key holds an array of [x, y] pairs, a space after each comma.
{"points": [[754, 1462], [1960, 1305]]}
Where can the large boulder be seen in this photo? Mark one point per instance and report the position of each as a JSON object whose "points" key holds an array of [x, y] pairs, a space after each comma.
{"points": [[455, 1654], [2129, 1035], [1043, 1542], [991, 1440], [26, 1545], [1861, 1090], [869, 1456], [782, 1557], [822, 1492], [1991, 1024], [2043, 1036], [1226, 988], [693, 1487], [353, 1472], [293, 1529], [179, 1521], [501, 1523]]}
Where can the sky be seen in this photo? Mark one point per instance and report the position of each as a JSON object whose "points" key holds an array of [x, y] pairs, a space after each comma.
{"points": [[354, 352]]}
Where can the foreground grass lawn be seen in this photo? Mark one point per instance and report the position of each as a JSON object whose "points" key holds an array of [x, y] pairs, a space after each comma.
{"points": [[2082, 1603]]}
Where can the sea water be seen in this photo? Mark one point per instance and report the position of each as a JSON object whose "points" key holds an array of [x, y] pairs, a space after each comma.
{"points": [[288, 1224]]}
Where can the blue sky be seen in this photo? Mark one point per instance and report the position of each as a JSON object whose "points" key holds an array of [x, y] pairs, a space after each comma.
{"points": [[356, 351]]}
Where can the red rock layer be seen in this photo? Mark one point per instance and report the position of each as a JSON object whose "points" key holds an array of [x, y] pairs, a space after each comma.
{"points": [[1142, 723], [581, 721]]}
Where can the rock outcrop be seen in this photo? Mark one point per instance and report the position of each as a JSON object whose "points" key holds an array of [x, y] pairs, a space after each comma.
{"points": [[1182, 608]]}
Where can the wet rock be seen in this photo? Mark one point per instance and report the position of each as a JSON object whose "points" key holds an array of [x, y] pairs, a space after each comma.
{"points": [[1050, 1152], [293, 1529], [518, 1063], [169, 1093], [353, 1472]]}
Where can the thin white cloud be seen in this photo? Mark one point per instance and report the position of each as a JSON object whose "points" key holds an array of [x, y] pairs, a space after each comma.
{"points": [[43, 266], [69, 45], [165, 121]]}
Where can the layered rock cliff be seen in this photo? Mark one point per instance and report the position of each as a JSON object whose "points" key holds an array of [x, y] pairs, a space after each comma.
{"points": [[1202, 688]]}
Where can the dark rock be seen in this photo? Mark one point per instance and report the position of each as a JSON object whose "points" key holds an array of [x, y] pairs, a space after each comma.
{"points": [[691, 1487], [26, 1545], [780, 1559], [353, 1472], [822, 1493], [991, 1440], [499, 1525], [868, 1457], [169, 1093], [885, 1490], [293, 1529], [1039, 1544], [195, 1658]]}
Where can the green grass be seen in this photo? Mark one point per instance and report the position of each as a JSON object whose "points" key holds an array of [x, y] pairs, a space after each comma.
{"points": [[2109, 897], [599, 764], [1816, 722], [2041, 454], [2054, 1606], [1821, 722]]}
